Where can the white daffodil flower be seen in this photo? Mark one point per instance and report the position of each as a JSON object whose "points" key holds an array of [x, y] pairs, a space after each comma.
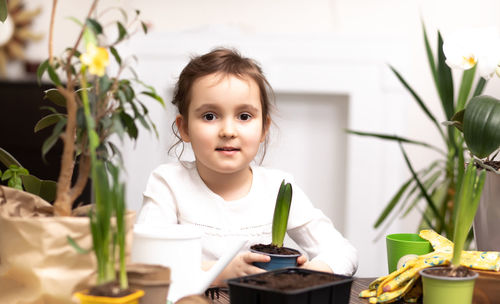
{"points": [[466, 48]]}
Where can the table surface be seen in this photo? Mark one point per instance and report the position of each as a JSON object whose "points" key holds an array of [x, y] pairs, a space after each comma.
{"points": [[358, 285]]}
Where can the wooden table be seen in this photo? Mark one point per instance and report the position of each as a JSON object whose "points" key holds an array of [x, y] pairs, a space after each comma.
{"points": [[358, 285]]}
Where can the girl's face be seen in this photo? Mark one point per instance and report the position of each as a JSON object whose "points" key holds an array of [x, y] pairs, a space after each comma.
{"points": [[224, 124]]}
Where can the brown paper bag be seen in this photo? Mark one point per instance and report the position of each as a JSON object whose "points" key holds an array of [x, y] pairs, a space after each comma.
{"points": [[37, 264]]}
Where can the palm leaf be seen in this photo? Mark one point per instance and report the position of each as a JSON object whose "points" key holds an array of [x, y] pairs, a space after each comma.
{"points": [[428, 185], [392, 203], [418, 100], [430, 57], [422, 189], [445, 80], [396, 138]]}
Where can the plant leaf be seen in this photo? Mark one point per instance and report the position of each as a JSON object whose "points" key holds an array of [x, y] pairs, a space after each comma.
{"points": [[48, 121], [392, 203], [155, 96], [445, 80], [430, 57], [467, 202], [40, 70], [395, 138], [115, 54], [94, 25], [122, 32], [53, 76], [77, 247], [56, 97], [46, 189], [281, 212], [7, 159], [465, 87], [3, 10], [482, 125], [417, 99], [144, 27], [52, 139], [480, 87], [421, 187]]}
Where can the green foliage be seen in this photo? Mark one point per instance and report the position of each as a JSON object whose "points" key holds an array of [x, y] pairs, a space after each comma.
{"points": [[19, 178], [480, 124], [13, 176], [281, 212], [115, 106], [468, 200], [437, 183], [3, 10]]}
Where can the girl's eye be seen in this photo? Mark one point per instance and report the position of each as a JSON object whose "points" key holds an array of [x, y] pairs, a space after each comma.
{"points": [[209, 116], [245, 116]]}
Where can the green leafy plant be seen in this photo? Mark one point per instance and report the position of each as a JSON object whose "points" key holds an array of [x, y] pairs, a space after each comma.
{"points": [[18, 177], [114, 103], [436, 184], [281, 213], [13, 175], [467, 202]]}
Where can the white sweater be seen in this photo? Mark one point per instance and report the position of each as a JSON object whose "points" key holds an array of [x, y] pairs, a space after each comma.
{"points": [[175, 194]]}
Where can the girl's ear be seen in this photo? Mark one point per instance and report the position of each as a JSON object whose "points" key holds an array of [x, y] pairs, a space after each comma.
{"points": [[266, 129], [181, 124]]}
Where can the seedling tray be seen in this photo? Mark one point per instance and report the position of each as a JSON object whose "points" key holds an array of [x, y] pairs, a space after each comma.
{"points": [[253, 289]]}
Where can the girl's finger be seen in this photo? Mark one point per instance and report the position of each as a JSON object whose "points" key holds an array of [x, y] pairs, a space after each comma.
{"points": [[301, 260], [251, 257]]}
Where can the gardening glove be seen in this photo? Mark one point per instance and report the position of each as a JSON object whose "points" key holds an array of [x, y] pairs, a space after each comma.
{"points": [[404, 282]]}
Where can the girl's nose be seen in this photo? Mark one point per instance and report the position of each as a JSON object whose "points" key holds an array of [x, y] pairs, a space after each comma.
{"points": [[228, 129]]}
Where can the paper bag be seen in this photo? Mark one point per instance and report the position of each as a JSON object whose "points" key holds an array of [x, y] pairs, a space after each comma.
{"points": [[37, 264]]}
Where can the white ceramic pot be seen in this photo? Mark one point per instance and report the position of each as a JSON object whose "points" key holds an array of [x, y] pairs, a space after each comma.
{"points": [[178, 247]]}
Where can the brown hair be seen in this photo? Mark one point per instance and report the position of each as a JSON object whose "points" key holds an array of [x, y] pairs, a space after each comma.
{"points": [[225, 62]]}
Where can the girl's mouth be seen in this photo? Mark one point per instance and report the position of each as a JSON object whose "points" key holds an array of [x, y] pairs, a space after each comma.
{"points": [[227, 149]]}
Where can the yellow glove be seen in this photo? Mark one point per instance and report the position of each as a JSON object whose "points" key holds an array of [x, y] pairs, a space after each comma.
{"points": [[404, 282]]}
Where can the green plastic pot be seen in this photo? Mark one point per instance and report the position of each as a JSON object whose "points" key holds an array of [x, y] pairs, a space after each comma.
{"points": [[404, 246], [447, 290]]}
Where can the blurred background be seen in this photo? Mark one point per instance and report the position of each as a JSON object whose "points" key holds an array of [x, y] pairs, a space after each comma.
{"points": [[327, 61]]}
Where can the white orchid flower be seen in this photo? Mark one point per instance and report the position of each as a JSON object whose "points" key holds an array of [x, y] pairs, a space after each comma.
{"points": [[466, 48]]}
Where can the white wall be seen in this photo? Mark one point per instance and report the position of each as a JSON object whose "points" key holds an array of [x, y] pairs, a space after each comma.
{"points": [[363, 18]]}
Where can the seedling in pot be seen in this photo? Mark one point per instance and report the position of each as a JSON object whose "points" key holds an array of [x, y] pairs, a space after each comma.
{"points": [[467, 203], [281, 213], [280, 256]]}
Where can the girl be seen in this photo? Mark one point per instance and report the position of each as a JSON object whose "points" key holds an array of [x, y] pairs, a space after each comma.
{"points": [[224, 113]]}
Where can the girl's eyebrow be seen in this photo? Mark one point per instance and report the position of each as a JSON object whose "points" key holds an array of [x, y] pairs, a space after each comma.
{"points": [[205, 107], [248, 107], [209, 106]]}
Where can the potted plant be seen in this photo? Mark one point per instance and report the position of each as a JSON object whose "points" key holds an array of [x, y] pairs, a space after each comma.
{"points": [[284, 283], [456, 283], [480, 124], [280, 256], [115, 108], [435, 184]]}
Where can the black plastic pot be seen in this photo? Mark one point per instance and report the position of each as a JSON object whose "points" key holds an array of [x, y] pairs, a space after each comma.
{"points": [[252, 290]]}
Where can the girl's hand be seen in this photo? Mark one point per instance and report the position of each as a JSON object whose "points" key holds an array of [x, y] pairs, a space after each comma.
{"points": [[315, 265], [241, 265], [301, 260]]}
